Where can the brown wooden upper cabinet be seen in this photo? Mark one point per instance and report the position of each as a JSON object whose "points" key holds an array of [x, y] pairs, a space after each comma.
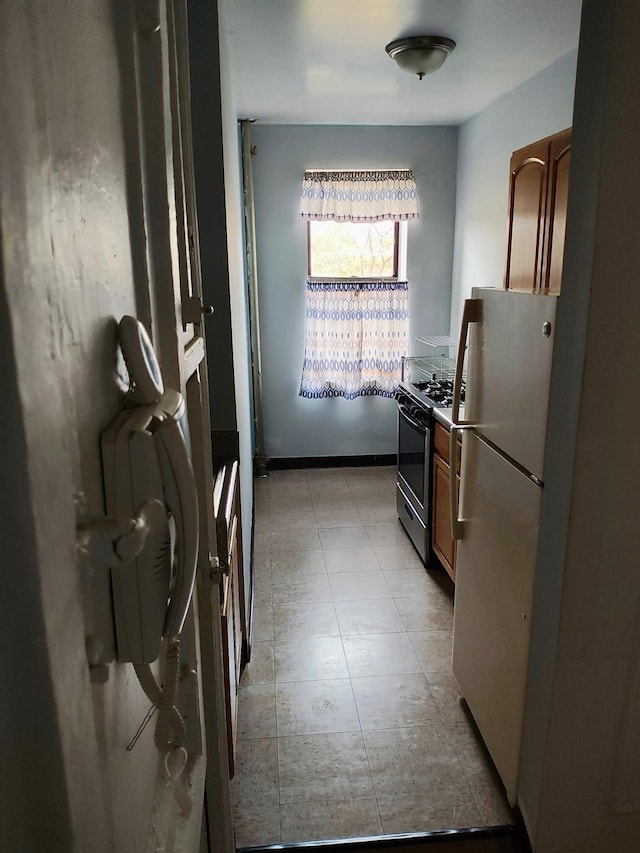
{"points": [[538, 192]]}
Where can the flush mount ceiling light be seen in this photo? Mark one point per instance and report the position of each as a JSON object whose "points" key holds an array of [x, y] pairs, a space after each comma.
{"points": [[420, 54]]}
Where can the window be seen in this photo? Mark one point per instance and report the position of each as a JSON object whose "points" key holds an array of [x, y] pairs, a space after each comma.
{"points": [[353, 249], [357, 320]]}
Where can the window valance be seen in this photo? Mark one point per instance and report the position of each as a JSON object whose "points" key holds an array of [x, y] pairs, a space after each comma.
{"points": [[360, 196]]}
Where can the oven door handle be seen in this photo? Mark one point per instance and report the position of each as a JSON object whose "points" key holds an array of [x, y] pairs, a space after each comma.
{"points": [[405, 414]]}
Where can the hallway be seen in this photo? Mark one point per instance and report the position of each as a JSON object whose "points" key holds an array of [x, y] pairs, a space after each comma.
{"points": [[349, 719]]}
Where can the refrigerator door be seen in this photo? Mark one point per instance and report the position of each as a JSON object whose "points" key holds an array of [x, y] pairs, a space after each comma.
{"points": [[509, 371], [494, 581]]}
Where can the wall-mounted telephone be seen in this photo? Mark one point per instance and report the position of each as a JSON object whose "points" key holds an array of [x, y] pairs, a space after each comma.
{"points": [[145, 459]]}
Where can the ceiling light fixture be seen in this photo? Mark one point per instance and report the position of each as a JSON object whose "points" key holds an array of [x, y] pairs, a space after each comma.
{"points": [[420, 54]]}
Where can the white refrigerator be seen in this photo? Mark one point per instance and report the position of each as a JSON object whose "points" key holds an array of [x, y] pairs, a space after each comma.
{"points": [[508, 338]]}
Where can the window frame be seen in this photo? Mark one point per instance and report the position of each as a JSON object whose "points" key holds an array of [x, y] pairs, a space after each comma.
{"points": [[396, 253]]}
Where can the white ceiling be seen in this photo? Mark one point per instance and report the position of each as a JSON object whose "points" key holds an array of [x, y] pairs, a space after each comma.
{"points": [[323, 61]]}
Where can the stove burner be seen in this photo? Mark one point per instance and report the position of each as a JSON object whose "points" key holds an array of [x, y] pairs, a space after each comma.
{"points": [[438, 391]]}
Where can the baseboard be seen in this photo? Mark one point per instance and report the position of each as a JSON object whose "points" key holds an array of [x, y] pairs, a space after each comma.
{"points": [[289, 463]]}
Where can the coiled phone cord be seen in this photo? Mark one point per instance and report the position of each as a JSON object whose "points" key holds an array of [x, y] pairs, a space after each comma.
{"points": [[170, 727]]}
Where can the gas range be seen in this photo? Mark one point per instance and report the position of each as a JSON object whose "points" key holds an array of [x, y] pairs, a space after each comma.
{"points": [[432, 393], [428, 381]]}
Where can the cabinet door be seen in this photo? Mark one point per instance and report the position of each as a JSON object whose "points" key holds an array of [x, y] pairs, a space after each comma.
{"points": [[443, 545], [555, 224], [527, 202]]}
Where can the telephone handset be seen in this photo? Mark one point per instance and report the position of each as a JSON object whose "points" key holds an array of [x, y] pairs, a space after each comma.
{"points": [[145, 458]]}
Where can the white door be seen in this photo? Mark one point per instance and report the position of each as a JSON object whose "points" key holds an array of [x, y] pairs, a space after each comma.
{"points": [[495, 565], [509, 370], [171, 292]]}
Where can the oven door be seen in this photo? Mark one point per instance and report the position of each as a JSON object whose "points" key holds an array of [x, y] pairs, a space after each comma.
{"points": [[413, 459], [412, 491]]}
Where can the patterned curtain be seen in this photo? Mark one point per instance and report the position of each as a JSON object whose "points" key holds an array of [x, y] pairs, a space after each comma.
{"points": [[360, 196], [356, 336]]}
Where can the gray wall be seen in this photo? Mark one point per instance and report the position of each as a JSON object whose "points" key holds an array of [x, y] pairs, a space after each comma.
{"points": [[295, 426], [537, 108], [238, 305]]}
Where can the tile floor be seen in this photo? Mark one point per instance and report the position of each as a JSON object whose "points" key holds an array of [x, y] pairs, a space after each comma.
{"points": [[349, 719]]}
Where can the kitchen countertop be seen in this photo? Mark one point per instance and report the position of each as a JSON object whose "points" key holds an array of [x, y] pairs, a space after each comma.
{"points": [[444, 416]]}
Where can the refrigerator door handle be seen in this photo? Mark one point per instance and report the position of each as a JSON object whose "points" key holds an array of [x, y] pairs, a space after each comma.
{"points": [[456, 522], [470, 314]]}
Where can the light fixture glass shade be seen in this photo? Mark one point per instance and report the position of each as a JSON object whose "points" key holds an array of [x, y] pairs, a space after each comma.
{"points": [[420, 54]]}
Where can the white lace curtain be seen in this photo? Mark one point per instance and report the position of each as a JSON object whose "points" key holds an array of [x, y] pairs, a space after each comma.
{"points": [[356, 336], [360, 196], [356, 331]]}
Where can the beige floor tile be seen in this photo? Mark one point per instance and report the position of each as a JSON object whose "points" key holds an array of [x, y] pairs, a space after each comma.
{"points": [[377, 616], [310, 659], [344, 537], [262, 622], [492, 805], [312, 707], [302, 588], [255, 825], [370, 489], [472, 755], [429, 769], [305, 619], [407, 583], [257, 711], [354, 586], [425, 613], [413, 762], [282, 487], [256, 777], [394, 701], [351, 560], [332, 517], [448, 697], [262, 584], [381, 497], [390, 533], [332, 499], [448, 809], [293, 519], [375, 513], [262, 541], [260, 669], [262, 596], [323, 766], [317, 477], [294, 540], [330, 819], [287, 503], [330, 493], [398, 557], [433, 649], [380, 654], [262, 524], [284, 476], [374, 472], [295, 563]]}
